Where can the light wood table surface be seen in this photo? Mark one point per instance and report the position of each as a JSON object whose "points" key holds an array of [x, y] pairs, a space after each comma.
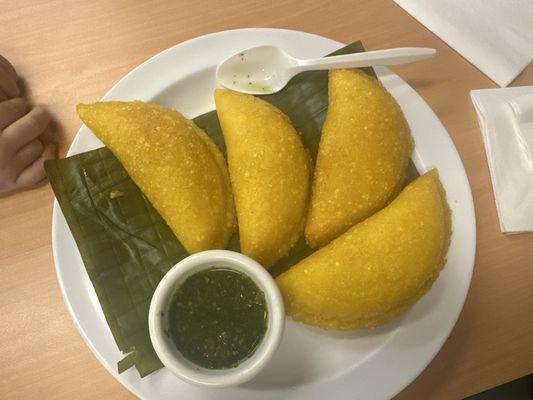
{"points": [[73, 51]]}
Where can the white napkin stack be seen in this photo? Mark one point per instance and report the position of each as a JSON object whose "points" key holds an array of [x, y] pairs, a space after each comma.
{"points": [[506, 121], [494, 35]]}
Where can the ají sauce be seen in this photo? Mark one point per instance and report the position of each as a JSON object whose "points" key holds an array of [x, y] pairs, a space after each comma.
{"points": [[217, 318]]}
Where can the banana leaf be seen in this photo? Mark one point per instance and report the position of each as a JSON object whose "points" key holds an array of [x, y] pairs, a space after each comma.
{"points": [[126, 246]]}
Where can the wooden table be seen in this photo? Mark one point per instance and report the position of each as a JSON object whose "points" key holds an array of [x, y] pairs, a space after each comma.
{"points": [[73, 51]]}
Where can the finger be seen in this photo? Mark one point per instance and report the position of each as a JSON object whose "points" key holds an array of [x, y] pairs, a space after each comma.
{"points": [[25, 156], [12, 110], [35, 172], [25, 129], [6, 65], [3, 96], [8, 85]]}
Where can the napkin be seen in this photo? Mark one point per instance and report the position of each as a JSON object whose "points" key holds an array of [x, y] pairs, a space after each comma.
{"points": [[506, 120], [494, 35]]}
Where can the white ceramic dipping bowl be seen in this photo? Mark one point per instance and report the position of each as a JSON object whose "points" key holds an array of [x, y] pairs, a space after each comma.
{"points": [[158, 319]]}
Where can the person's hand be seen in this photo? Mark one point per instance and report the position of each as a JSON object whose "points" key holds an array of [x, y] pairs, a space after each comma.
{"points": [[22, 154], [8, 80]]}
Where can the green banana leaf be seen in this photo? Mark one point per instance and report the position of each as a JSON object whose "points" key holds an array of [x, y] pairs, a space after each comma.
{"points": [[126, 246]]}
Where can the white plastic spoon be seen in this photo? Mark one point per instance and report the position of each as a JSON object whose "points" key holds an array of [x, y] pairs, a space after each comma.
{"points": [[267, 69]]}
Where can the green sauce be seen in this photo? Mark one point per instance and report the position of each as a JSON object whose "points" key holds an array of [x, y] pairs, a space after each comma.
{"points": [[217, 318]]}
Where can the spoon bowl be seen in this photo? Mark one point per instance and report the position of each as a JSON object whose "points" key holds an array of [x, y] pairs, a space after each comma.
{"points": [[259, 70]]}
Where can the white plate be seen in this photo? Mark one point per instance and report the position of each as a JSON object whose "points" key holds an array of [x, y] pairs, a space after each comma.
{"points": [[310, 364]]}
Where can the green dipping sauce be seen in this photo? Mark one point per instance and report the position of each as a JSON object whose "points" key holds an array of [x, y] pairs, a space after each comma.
{"points": [[217, 318]]}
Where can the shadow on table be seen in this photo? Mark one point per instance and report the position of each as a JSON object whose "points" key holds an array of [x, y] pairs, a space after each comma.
{"points": [[519, 389]]}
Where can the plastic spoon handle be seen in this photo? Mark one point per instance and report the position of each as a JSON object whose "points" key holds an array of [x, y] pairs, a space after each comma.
{"points": [[400, 55]]}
